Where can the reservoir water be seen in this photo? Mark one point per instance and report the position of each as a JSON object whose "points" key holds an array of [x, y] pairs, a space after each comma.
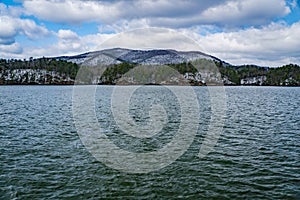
{"points": [[257, 155]]}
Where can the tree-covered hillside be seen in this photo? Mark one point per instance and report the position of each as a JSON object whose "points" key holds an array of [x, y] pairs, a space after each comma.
{"points": [[202, 72], [198, 72], [37, 71], [286, 75]]}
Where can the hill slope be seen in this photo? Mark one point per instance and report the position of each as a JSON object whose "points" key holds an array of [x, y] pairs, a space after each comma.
{"points": [[147, 57], [127, 66]]}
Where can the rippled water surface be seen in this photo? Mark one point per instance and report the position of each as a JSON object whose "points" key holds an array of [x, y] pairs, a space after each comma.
{"points": [[257, 155]]}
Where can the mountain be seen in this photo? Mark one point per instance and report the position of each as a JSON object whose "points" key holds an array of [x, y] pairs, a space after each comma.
{"points": [[138, 67], [147, 57]]}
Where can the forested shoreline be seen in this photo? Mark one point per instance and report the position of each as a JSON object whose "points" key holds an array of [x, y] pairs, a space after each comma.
{"points": [[45, 71], [53, 71]]}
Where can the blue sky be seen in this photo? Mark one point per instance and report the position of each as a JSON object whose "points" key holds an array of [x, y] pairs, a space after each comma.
{"points": [[262, 32]]}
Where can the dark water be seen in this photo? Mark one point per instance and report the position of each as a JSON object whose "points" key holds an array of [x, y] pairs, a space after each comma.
{"points": [[256, 157]]}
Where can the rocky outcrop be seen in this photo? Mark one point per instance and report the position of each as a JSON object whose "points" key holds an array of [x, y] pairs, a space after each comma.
{"points": [[256, 80]]}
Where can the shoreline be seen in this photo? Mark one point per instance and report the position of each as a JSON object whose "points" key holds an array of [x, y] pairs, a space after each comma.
{"points": [[148, 85]]}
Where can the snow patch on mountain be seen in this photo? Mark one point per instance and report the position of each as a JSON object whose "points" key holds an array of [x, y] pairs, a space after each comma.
{"points": [[146, 57]]}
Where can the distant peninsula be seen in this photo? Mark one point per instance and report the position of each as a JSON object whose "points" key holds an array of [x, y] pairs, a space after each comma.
{"points": [[120, 66]]}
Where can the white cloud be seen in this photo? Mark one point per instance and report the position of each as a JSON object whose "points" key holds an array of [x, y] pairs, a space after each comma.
{"points": [[30, 29], [125, 25], [8, 30], [166, 13], [275, 44], [245, 12], [7, 50], [151, 38], [67, 35], [11, 26], [68, 43], [71, 11], [272, 45]]}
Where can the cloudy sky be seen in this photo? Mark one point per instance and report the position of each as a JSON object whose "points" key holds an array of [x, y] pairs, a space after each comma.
{"points": [[262, 32]]}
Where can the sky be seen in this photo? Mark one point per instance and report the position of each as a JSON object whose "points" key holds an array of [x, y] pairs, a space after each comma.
{"points": [[261, 32]]}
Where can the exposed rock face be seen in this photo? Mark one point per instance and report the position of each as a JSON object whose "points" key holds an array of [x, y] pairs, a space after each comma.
{"points": [[257, 80], [205, 78]]}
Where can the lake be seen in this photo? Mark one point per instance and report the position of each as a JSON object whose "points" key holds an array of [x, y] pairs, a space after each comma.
{"points": [[257, 154]]}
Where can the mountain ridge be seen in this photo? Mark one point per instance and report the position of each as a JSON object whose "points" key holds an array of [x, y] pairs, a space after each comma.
{"points": [[128, 66], [150, 57]]}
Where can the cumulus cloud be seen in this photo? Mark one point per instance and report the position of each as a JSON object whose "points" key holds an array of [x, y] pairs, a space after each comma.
{"points": [[31, 30], [67, 35], [11, 26], [71, 11], [8, 30], [7, 50], [241, 12], [68, 43], [167, 13], [125, 25], [151, 38], [274, 44]]}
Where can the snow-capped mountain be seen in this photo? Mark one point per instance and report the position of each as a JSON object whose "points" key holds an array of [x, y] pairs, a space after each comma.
{"points": [[148, 57]]}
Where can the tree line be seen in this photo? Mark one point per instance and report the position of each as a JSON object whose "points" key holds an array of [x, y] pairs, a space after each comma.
{"points": [[61, 67], [286, 75]]}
